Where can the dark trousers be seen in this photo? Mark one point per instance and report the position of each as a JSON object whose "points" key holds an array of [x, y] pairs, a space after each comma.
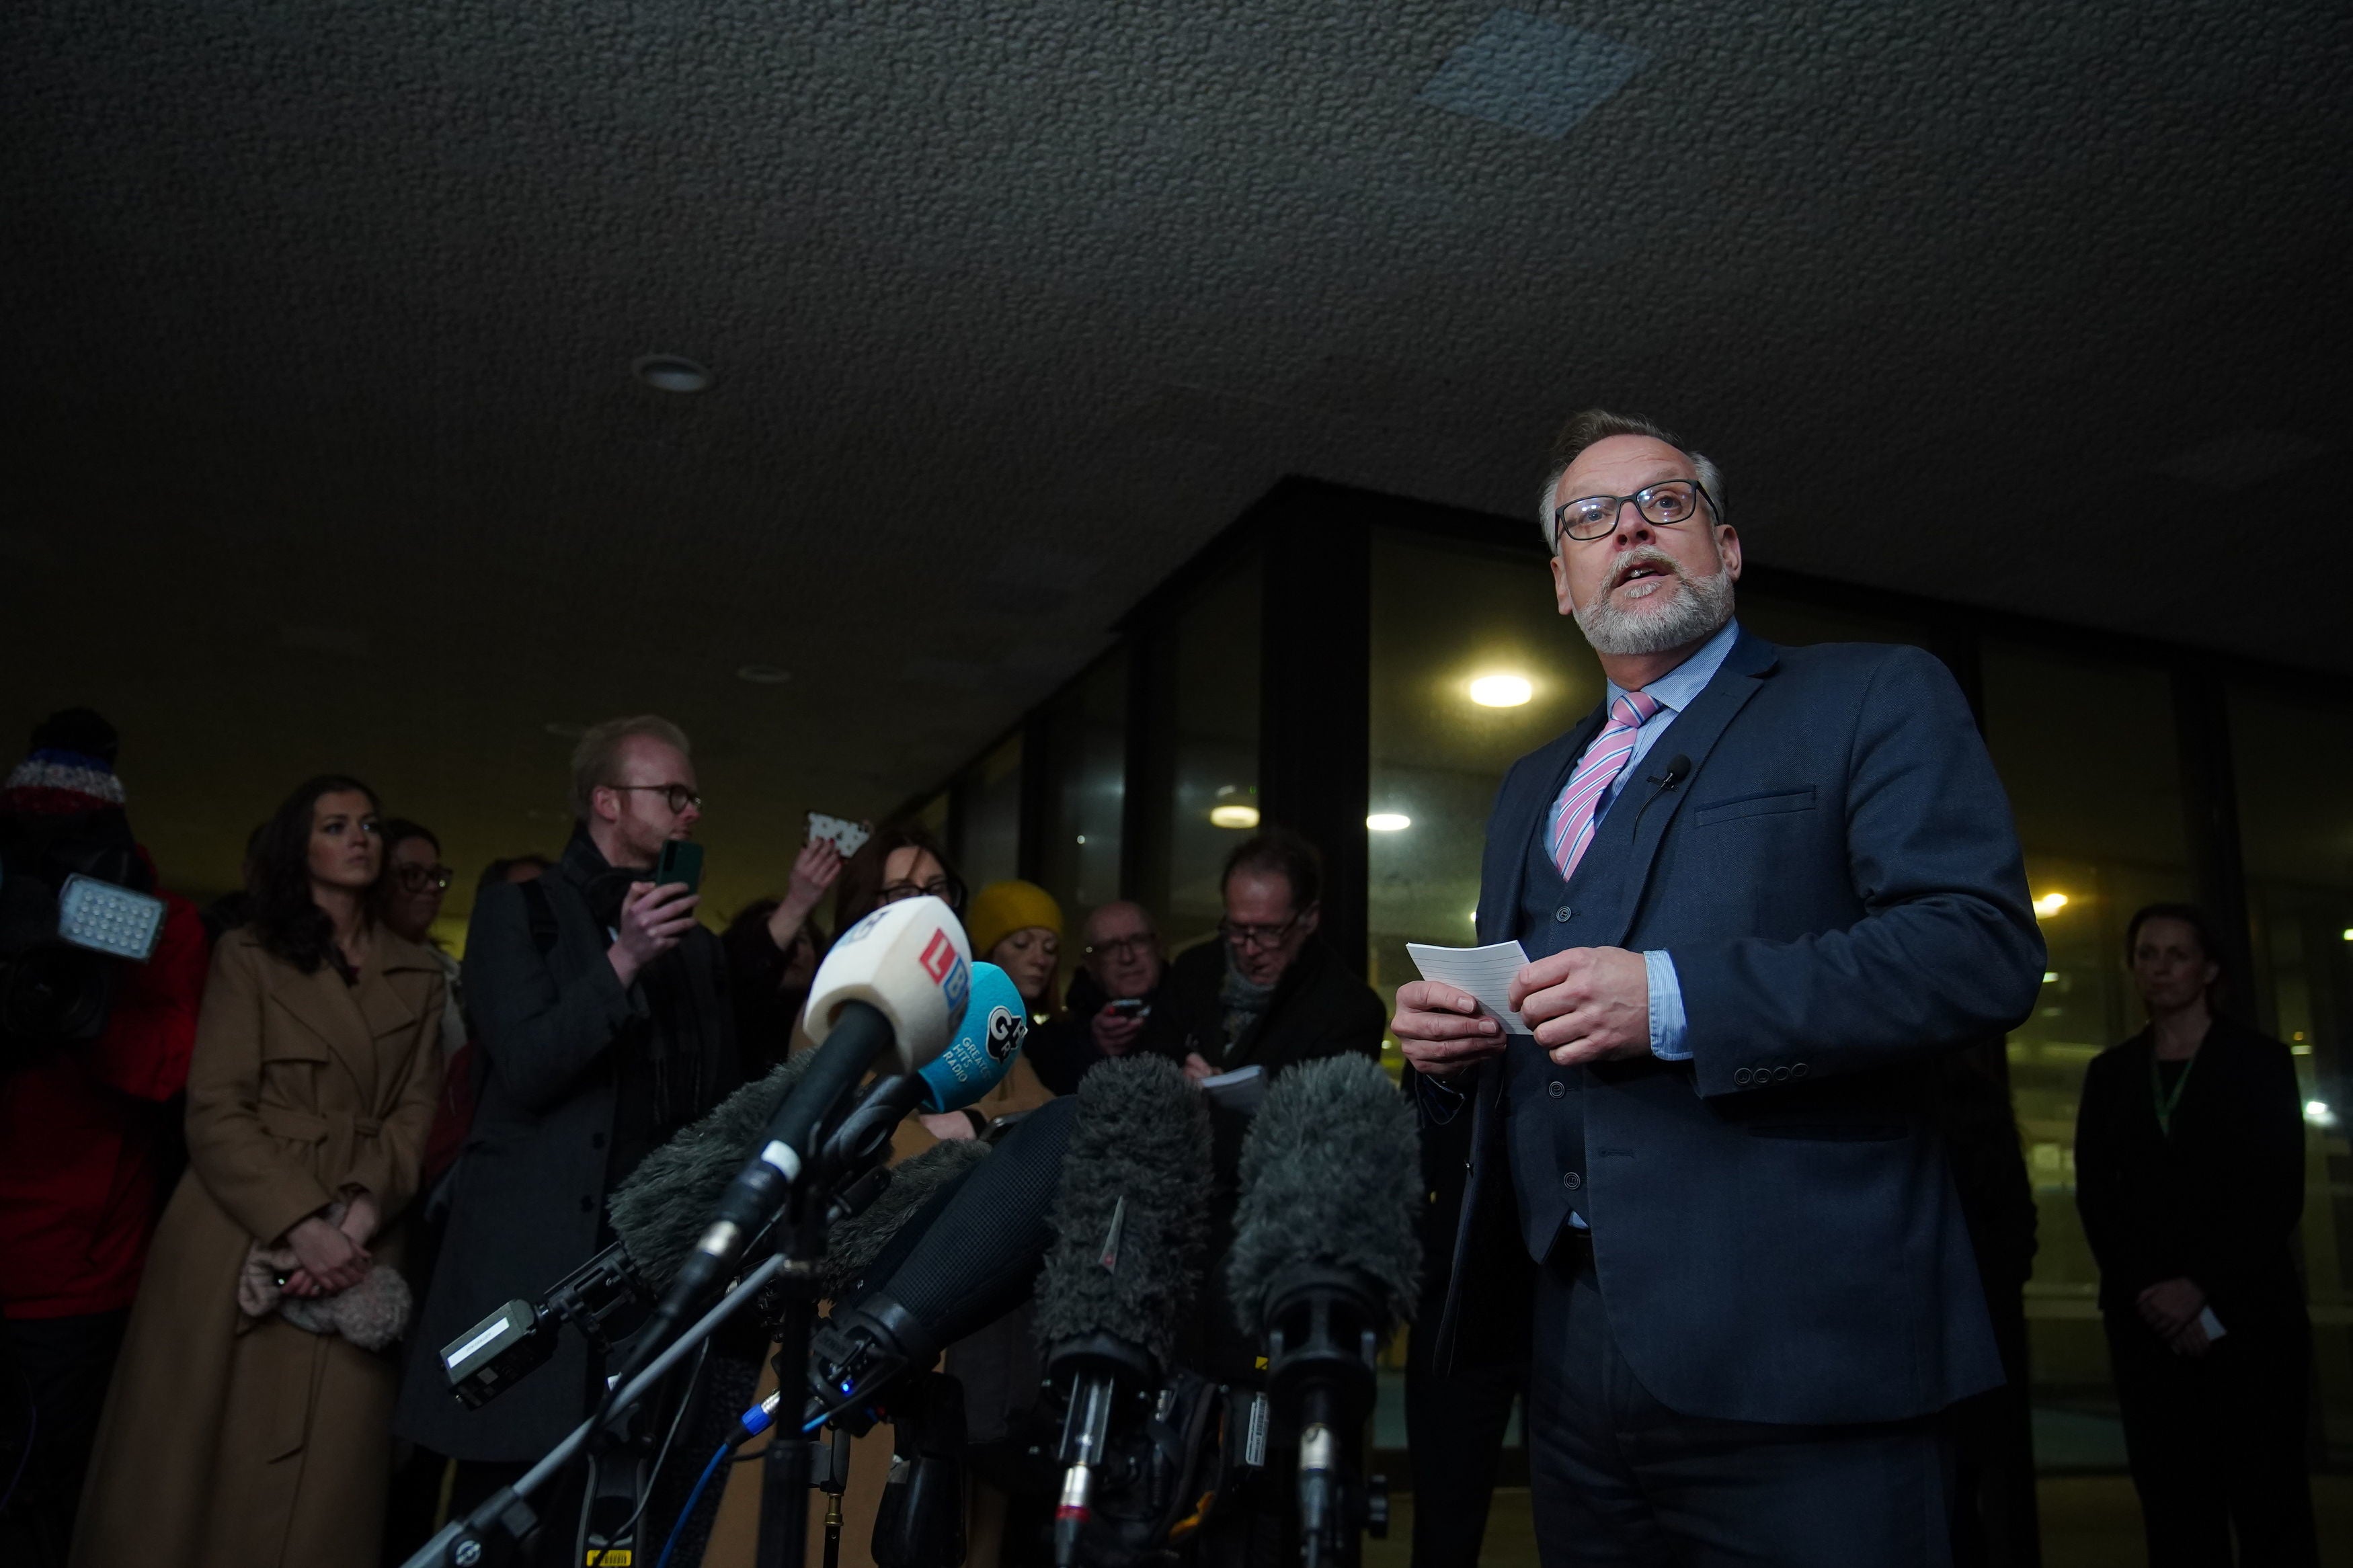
{"points": [[1618, 1478], [2216, 1444], [1454, 1429], [52, 1390]]}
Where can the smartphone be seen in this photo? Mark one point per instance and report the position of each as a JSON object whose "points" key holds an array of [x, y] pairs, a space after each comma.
{"points": [[681, 862], [1129, 1007]]}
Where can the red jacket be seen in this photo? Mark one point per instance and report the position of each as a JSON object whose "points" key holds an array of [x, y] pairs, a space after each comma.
{"points": [[78, 1131]]}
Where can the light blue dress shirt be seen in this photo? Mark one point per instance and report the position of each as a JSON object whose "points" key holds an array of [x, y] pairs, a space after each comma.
{"points": [[1674, 692]]}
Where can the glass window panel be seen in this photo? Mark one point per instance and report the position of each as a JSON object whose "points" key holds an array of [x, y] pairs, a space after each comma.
{"points": [[2086, 751], [1795, 623], [1445, 616], [2291, 759], [1216, 703], [991, 847], [1087, 740]]}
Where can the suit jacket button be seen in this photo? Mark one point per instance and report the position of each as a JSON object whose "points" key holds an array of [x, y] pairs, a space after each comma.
{"points": [[587, 1204], [1563, 913], [1555, 1089], [595, 1140], [1781, 1073], [1572, 1181], [1798, 1070], [1741, 1075]]}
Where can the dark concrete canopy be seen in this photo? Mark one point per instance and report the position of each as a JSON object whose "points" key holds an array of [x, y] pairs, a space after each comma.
{"points": [[328, 451]]}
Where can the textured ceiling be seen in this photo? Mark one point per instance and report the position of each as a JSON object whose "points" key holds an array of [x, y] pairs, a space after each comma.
{"points": [[320, 316]]}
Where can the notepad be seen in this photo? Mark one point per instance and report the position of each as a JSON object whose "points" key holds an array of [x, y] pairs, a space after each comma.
{"points": [[1484, 972], [1242, 1089]]}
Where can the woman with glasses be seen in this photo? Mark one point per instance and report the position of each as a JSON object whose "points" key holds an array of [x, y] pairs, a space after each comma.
{"points": [[904, 862], [231, 1435]]}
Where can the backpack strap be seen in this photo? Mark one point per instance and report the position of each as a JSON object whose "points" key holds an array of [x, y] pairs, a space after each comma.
{"points": [[542, 910]]}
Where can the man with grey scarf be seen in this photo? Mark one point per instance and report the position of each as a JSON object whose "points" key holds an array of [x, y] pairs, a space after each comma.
{"points": [[602, 1022], [1269, 992]]}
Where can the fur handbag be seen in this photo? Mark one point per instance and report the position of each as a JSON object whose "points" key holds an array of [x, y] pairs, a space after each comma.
{"points": [[372, 1314]]}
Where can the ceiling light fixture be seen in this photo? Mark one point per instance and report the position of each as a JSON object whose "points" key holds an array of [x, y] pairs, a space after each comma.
{"points": [[1501, 690], [2048, 904], [671, 373], [763, 674], [1389, 822], [1233, 816]]}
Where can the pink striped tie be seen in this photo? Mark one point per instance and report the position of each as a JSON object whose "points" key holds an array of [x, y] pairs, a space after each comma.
{"points": [[1573, 813]]}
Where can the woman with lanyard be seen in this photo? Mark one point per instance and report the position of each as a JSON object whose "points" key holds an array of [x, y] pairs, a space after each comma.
{"points": [[2189, 1177]]}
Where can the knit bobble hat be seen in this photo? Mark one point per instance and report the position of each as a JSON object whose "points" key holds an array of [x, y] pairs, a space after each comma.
{"points": [[70, 770], [1003, 908]]}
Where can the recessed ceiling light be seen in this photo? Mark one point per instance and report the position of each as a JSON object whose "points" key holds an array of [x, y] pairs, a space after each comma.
{"points": [[671, 373], [2049, 904], [1233, 816], [763, 674], [1389, 822], [1501, 690]]}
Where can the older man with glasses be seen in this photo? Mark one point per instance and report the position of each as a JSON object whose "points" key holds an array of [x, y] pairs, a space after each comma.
{"points": [[1764, 892], [1269, 992]]}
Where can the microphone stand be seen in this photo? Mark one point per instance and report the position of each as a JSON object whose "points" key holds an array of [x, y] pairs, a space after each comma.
{"points": [[491, 1533], [858, 1141]]}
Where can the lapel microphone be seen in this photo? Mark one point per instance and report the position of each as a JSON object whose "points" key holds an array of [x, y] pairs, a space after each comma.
{"points": [[1678, 770]]}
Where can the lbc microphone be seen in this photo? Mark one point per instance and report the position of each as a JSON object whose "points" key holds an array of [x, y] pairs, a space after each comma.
{"points": [[1129, 1225], [1323, 1266], [891, 992]]}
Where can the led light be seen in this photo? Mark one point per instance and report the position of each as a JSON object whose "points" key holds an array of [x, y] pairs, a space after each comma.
{"points": [[2049, 975], [1389, 822], [2348, 933], [1233, 816], [2049, 904], [1501, 690], [2318, 1113]]}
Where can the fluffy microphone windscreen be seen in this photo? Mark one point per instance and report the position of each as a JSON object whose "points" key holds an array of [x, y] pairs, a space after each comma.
{"points": [[853, 1246], [660, 1211], [1140, 1156], [1331, 1177]]}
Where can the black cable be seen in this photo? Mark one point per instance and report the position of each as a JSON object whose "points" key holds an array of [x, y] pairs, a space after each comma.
{"points": [[662, 1457]]}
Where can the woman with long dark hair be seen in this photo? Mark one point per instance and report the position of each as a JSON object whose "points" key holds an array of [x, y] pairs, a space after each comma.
{"points": [[2189, 1177], [249, 1420]]}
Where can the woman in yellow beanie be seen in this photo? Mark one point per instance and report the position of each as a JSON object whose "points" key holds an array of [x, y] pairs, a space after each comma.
{"points": [[1017, 927]]}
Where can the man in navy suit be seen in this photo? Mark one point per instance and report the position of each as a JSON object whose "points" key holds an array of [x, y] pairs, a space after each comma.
{"points": [[1763, 891]]}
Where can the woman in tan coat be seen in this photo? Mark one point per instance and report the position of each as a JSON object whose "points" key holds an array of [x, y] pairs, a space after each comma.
{"points": [[232, 1439]]}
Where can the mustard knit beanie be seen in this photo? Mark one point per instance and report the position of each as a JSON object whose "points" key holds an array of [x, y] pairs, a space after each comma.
{"points": [[1003, 908]]}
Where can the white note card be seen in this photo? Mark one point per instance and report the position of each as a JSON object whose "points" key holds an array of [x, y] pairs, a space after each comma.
{"points": [[1484, 972], [2211, 1324]]}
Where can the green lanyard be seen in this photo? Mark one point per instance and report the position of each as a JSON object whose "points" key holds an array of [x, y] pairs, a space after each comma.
{"points": [[2165, 1101]]}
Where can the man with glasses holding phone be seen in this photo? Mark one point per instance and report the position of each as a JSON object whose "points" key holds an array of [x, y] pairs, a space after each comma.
{"points": [[1763, 891], [603, 1024]]}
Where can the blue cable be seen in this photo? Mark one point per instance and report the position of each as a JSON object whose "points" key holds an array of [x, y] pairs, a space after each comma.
{"points": [[692, 1498]]}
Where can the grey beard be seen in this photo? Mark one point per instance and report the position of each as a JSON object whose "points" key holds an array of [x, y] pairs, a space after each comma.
{"points": [[1699, 607]]}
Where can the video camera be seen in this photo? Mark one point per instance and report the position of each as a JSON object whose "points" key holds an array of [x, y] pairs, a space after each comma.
{"points": [[76, 901]]}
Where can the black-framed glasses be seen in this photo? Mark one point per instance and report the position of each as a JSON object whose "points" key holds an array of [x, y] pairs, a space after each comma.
{"points": [[679, 796], [947, 890], [1260, 938], [416, 878], [1123, 947], [1663, 505]]}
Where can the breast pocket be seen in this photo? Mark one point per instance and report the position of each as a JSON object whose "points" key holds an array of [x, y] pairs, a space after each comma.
{"points": [[1777, 803]]}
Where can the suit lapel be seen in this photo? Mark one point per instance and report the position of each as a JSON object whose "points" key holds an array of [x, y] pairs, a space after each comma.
{"points": [[1642, 812], [1532, 788]]}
